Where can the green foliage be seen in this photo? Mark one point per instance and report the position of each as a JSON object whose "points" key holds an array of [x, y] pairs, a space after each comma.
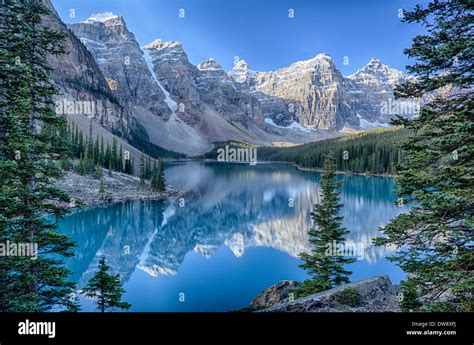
{"points": [[234, 144], [129, 166], [350, 297], [373, 152], [93, 155], [30, 204], [148, 168], [160, 179], [326, 269], [142, 170], [409, 296], [106, 289], [154, 179], [158, 183], [437, 236], [101, 186]]}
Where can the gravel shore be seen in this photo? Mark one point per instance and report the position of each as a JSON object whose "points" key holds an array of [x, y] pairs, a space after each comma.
{"points": [[118, 188]]}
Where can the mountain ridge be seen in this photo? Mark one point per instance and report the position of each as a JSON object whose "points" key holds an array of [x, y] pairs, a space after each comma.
{"points": [[186, 108]]}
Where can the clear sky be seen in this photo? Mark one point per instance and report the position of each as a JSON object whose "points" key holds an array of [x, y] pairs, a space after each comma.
{"points": [[262, 32]]}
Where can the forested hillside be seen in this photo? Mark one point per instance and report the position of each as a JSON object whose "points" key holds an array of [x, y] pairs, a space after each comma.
{"points": [[374, 152]]}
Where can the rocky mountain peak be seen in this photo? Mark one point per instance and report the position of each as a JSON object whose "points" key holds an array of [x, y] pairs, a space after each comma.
{"points": [[242, 73], [107, 18], [120, 59], [159, 44], [323, 59], [241, 64], [375, 62], [209, 65], [377, 72], [171, 52]]}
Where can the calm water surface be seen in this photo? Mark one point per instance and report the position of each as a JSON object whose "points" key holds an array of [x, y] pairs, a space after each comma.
{"points": [[233, 231]]}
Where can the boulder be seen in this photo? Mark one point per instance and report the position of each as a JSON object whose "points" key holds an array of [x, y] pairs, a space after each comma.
{"points": [[376, 294], [275, 294]]}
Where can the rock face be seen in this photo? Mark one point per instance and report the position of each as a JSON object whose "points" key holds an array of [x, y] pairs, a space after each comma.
{"points": [[313, 91], [275, 294], [121, 59], [80, 79], [372, 86], [218, 89], [185, 108], [181, 106], [375, 294], [275, 108], [201, 88]]}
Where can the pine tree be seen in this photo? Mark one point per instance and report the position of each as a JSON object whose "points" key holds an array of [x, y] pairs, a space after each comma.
{"points": [[30, 204], [154, 177], [160, 179], [114, 154], [90, 142], [97, 151], [325, 266], [142, 170], [148, 168], [120, 160], [128, 166], [436, 236], [80, 144], [107, 155], [101, 185], [409, 300], [106, 289], [102, 152]]}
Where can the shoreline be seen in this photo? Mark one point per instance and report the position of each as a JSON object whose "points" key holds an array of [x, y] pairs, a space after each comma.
{"points": [[348, 173], [119, 187], [339, 172]]}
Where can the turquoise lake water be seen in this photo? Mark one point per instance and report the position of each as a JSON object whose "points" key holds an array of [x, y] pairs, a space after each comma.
{"points": [[234, 230]]}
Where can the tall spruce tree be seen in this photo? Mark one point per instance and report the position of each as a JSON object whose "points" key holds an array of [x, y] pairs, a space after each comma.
{"points": [[154, 177], [128, 166], [160, 178], [30, 204], [148, 168], [106, 289], [142, 170], [324, 264], [436, 237]]}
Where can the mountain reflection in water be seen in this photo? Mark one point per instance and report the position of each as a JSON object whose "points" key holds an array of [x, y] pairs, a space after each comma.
{"points": [[234, 230]]}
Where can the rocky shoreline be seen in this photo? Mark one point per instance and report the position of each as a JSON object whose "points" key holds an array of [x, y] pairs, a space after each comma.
{"points": [[376, 294], [84, 191]]}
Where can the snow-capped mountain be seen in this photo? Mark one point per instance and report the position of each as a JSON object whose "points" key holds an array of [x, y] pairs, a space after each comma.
{"points": [[314, 94], [122, 62], [371, 87], [309, 92], [80, 79], [185, 108]]}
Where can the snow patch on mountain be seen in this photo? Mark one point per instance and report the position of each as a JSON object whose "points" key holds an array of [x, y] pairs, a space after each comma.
{"points": [[149, 62], [100, 17], [365, 125], [295, 126], [160, 44]]}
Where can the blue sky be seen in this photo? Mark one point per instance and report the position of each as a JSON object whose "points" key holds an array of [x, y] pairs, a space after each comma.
{"points": [[261, 32]]}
